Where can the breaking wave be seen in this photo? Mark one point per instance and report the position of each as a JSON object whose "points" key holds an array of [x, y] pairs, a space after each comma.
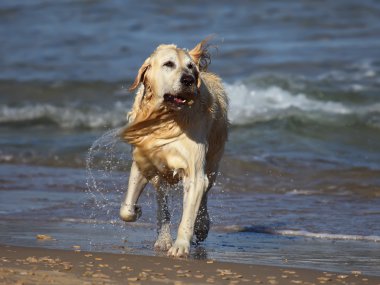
{"points": [[67, 117], [248, 105], [252, 105]]}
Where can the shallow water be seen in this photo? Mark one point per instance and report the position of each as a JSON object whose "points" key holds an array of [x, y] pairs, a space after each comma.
{"points": [[299, 184]]}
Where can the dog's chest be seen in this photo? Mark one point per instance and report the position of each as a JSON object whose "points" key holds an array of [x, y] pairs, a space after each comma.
{"points": [[166, 160]]}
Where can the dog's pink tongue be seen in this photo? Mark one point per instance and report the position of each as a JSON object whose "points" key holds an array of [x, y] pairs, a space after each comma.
{"points": [[179, 100]]}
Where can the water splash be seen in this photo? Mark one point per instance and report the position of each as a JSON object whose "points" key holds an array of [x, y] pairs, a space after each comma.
{"points": [[107, 161], [108, 164]]}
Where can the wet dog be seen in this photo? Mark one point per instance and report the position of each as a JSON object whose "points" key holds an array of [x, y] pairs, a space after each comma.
{"points": [[178, 128]]}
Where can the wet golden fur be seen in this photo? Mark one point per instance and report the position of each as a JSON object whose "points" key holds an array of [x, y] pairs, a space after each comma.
{"points": [[172, 144], [150, 129]]}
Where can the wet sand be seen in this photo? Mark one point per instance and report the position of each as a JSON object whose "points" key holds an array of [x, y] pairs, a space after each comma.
{"points": [[30, 265]]}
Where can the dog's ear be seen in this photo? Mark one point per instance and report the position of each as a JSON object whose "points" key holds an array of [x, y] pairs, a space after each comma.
{"points": [[141, 74], [200, 54]]}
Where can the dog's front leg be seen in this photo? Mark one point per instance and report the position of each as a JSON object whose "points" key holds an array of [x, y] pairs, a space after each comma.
{"points": [[194, 189], [129, 211]]}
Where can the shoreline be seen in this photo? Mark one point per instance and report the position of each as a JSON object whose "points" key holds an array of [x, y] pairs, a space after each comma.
{"points": [[33, 265]]}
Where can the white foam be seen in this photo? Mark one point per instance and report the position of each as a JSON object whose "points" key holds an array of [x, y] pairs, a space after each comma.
{"points": [[328, 236], [297, 233], [65, 116], [249, 105]]}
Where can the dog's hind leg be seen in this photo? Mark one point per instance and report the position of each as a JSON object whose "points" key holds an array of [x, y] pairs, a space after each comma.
{"points": [[164, 240], [202, 222], [129, 211]]}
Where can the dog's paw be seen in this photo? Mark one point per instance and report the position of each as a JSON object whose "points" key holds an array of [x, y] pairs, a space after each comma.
{"points": [[163, 243], [164, 240], [130, 213], [180, 248]]}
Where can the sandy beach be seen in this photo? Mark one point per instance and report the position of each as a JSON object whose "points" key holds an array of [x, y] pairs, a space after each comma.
{"points": [[27, 265], [299, 182]]}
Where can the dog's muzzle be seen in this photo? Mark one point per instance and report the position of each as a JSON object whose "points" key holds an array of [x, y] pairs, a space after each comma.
{"points": [[187, 80]]}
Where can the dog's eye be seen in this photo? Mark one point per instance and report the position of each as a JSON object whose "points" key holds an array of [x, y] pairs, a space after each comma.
{"points": [[169, 64], [190, 66]]}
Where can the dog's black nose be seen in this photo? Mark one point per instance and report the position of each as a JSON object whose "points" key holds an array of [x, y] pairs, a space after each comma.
{"points": [[187, 80]]}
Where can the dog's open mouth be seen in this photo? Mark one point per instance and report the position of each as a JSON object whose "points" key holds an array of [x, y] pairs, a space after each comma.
{"points": [[177, 100]]}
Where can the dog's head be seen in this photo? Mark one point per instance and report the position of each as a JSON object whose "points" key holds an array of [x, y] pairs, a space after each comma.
{"points": [[171, 75]]}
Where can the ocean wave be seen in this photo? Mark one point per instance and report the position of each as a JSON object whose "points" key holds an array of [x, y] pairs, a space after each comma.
{"points": [[251, 105], [248, 105], [328, 235], [298, 233], [64, 116]]}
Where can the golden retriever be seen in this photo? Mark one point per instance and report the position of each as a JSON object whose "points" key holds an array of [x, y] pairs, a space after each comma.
{"points": [[177, 127]]}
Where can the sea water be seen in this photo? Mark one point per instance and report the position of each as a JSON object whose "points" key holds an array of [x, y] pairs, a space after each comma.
{"points": [[299, 183]]}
